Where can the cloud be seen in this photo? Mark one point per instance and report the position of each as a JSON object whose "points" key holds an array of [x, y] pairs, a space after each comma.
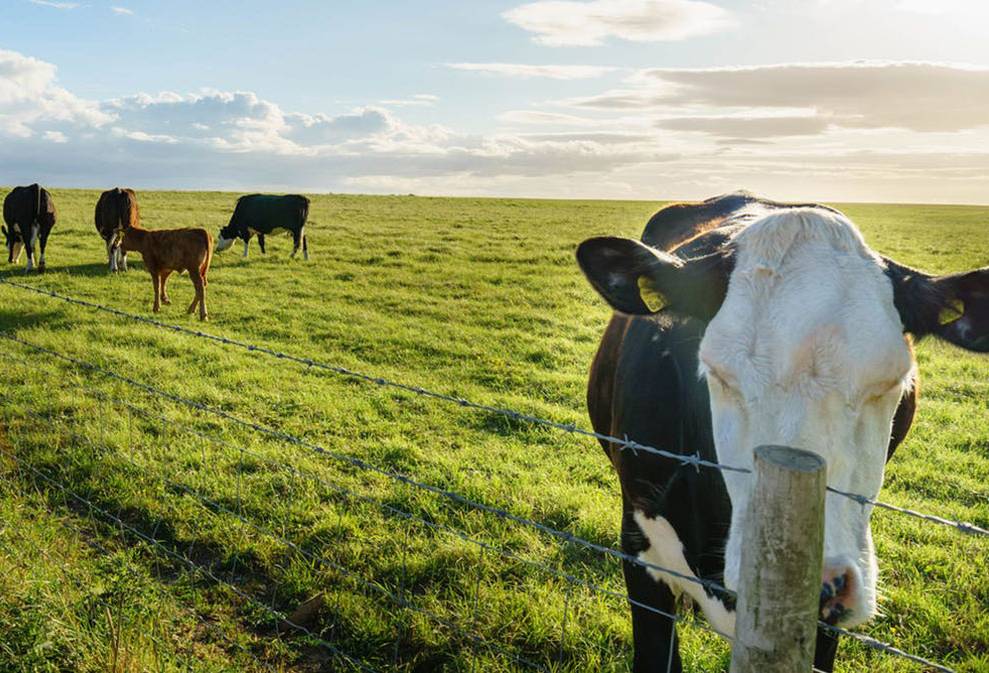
{"points": [[559, 23], [565, 72], [925, 97], [30, 98], [748, 127], [419, 99], [322, 129], [56, 5], [544, 117], [122, 10]]}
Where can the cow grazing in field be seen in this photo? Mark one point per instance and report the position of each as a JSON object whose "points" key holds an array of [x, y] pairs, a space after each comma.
{"points": [[29, 215], [261, 214], [116, 210], [168, 250], [741, 322]]}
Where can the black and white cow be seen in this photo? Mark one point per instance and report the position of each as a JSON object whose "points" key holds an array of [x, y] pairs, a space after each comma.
{"points": [[28, 215], [263, 213], [742, 322]]}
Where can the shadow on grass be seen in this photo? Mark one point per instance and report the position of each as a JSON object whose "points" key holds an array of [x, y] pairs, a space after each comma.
{"points": [[15, 321]]}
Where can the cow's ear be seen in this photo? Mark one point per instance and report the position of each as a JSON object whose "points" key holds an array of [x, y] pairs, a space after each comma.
{"points": [[953, 307], [638, 280]]}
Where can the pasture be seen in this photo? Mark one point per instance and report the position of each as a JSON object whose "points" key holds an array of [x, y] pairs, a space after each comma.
{"points": [[477, 298]]}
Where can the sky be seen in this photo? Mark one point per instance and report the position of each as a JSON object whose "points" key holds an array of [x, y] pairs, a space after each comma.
{"points": [[828, 100]]}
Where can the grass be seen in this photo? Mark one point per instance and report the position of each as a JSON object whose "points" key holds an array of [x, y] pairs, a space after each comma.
{"points": [[474, 297]]}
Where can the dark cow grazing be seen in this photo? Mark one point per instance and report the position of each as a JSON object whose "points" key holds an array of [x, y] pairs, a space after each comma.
{"points": [[263, 213], [743, 322], [116, 210], [29, 215], [168, 250]]}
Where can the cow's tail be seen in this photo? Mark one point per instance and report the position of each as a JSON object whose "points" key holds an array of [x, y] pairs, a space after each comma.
{"points": [[204, 269], [37, 201], [305, 210]]}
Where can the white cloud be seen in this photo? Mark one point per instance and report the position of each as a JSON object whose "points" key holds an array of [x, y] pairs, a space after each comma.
{"points": [[419, 99], [122, 10], [30, 98], [926, 97], [56, 5], [559, 23], [55, 136], [524, 70]]}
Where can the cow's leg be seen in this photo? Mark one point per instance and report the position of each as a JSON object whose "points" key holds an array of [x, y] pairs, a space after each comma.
{"points": [[156, 281], [111, 254], [164, 286], [43, 243], [305, 245], [32, 239], [296, 242], [15, 253], [261, 243], [245, 246], [825, 650], [654, 638], [121, 258], [200, 299]]}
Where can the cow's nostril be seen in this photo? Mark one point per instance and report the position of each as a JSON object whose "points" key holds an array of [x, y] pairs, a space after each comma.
{"points": [[835, 596]]}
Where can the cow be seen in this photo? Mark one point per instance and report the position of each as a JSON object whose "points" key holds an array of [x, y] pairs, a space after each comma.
{"points": [[116, 210], [263, 213], [29, 215], [168, 250], [738, 322]]}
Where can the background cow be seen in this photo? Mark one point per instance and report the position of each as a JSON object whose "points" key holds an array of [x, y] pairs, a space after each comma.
{"points": [[263, 213], [745, 322], [29, 215], [116, 210]]}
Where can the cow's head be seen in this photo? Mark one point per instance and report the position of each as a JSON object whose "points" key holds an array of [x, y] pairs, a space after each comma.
{"points": [[226, 238], [805, 346], [13, 243]]}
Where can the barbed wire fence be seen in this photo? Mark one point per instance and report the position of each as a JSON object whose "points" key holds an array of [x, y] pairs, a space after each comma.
{"points": [[397, 596]]}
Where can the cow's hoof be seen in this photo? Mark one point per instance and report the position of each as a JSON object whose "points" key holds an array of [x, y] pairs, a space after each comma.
{"points": [[166, 302]]}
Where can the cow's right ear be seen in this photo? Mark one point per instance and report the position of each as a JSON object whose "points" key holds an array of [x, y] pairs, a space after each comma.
{"points": [[639, 280]]}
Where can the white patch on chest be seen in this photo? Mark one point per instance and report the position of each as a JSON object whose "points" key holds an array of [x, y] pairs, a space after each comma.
{"points": [[666, 550]]}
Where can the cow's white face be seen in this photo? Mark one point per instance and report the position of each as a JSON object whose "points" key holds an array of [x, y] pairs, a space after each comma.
{"points": [[222, 243], [807, 350]]}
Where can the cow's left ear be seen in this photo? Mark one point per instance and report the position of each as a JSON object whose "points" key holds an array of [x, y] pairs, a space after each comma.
{"points": [[953, 307]]}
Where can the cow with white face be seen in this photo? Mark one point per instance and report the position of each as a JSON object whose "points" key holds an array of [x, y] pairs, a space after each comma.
{"points": [[743, 322]]}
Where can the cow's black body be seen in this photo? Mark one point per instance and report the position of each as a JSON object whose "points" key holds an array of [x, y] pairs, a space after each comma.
{"points": [[261, 214], [29, 212], [644, 385]]}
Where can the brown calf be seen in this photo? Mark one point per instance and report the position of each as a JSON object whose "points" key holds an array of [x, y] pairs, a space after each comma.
{"points": [[168, 250]]}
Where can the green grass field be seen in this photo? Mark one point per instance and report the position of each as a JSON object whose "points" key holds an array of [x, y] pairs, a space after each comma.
{"points": [[473, 297]]}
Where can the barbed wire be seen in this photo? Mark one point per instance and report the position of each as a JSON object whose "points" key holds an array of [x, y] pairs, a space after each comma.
{"points": [[359, 463], [215, 506], [621, 443]]}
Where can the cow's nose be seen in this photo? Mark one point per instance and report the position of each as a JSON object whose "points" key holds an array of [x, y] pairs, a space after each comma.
{"points": [[840, 586]]}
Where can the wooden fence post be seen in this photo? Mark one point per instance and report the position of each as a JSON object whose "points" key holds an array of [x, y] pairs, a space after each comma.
{"points": [[779, 583]]}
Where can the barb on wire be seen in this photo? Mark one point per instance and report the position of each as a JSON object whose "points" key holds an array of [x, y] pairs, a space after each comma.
{"points": [[192, 565], [963, 526], [621, 443], [361, 464]]}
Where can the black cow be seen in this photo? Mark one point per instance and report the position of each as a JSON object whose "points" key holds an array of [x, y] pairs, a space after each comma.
{"points": [[263, 213], [29, 214], [742, 322], [116, 211]]}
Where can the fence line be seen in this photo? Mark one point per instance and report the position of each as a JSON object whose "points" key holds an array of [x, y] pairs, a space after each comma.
{"points": [[621, 443], [364, 465], [356, 462]]}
